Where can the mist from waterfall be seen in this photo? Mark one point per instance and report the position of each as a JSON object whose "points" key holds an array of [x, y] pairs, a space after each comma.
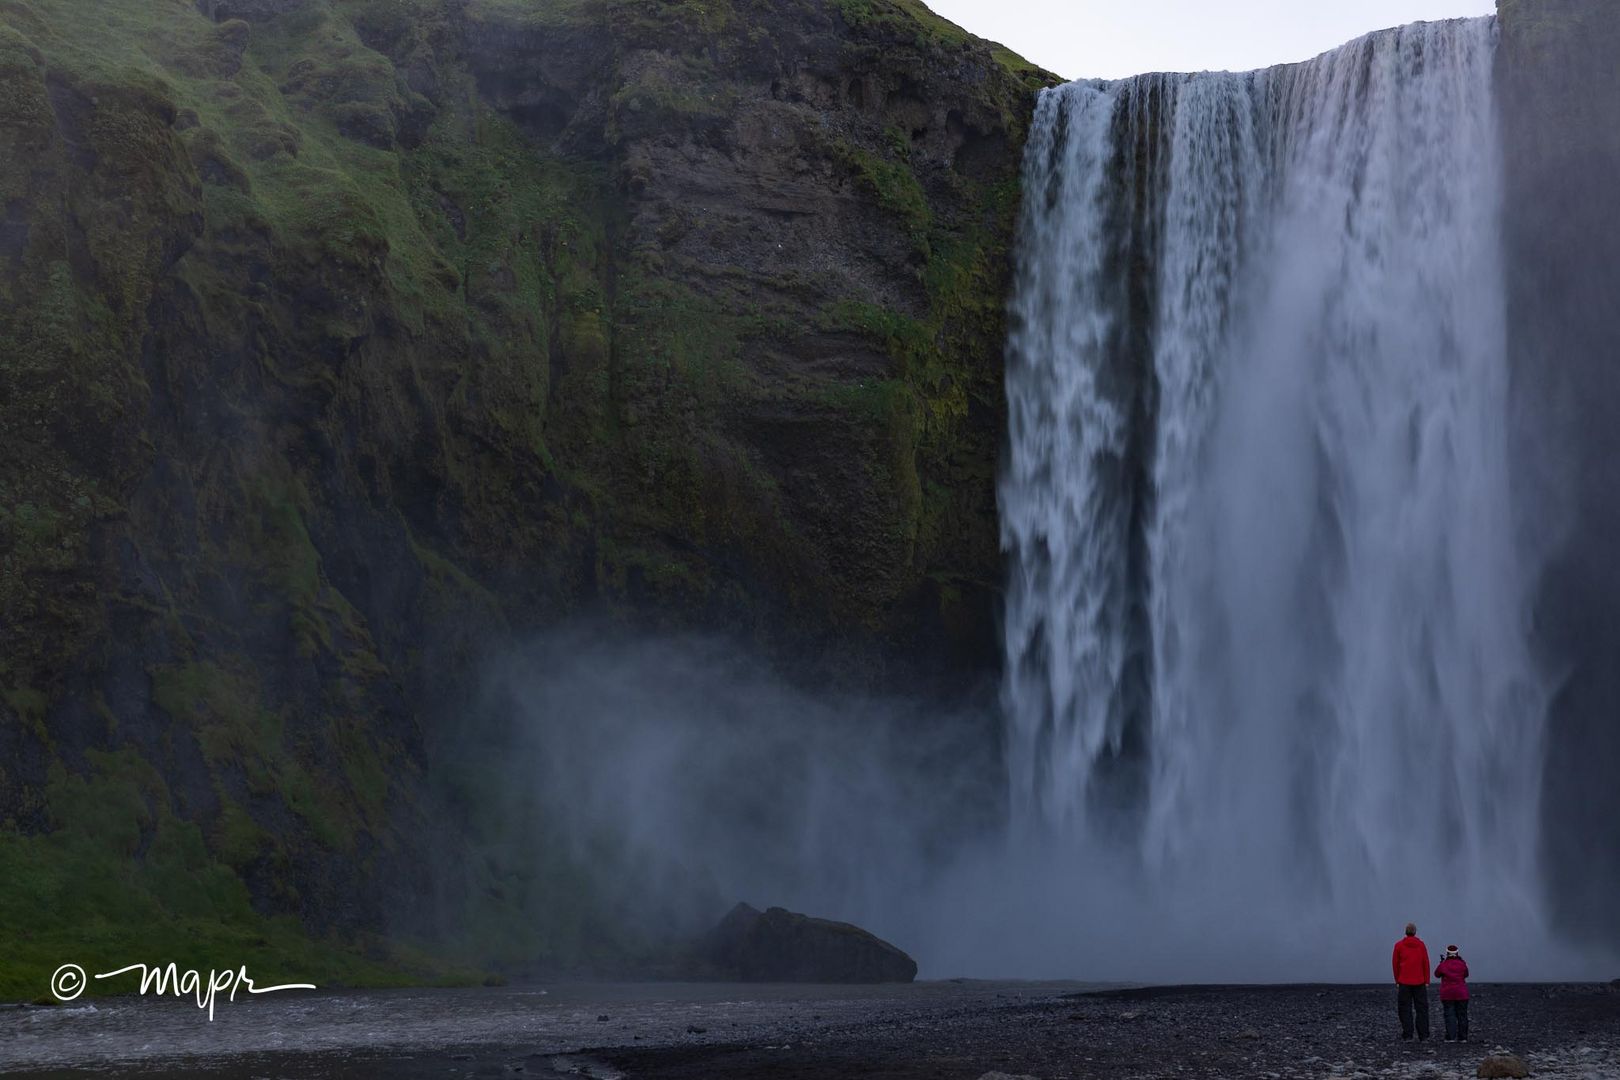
{"points": [[1266, 635], [1268, 688]]}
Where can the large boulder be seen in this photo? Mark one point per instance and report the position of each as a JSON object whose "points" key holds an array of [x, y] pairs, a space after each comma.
{"points": [[782, 946]]}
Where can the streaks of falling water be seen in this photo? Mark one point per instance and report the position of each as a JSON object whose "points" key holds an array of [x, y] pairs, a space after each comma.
{"points": [[1266, 607]]}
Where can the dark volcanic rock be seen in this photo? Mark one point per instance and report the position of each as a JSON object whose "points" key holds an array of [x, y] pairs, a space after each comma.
{"points": [[781, 946]]}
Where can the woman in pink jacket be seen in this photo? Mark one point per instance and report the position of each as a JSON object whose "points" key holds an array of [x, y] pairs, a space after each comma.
{"points": [[1453, 976]]}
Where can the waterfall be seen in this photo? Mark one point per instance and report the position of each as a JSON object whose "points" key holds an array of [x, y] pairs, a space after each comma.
{"points": [[1269, 601]]}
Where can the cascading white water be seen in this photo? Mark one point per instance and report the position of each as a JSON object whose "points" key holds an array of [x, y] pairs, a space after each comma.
{"points": [[1266, 629]]}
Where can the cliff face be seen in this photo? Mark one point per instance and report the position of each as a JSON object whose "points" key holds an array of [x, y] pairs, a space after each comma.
{"points": [[1559, 89], [343, 336]]}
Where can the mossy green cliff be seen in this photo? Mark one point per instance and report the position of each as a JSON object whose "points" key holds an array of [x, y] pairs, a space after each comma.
{"points": [[342, 338]]}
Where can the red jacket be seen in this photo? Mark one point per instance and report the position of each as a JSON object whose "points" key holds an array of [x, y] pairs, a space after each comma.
{"points": [[1453, 976], [1411, 962]]}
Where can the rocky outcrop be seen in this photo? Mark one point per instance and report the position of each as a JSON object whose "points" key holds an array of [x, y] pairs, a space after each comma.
{"points": [[341, 337], [778, 945], [1558, 85]]}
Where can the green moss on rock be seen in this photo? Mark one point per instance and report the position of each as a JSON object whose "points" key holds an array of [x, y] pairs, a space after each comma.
{"points": [[344, 336]]}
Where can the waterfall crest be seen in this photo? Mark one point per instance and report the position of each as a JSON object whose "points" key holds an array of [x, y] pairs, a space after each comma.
{"points": [[1267, 620]]}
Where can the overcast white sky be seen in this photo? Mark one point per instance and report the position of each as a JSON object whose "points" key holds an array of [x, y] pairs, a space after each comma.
{"points": [[1109, 39]]}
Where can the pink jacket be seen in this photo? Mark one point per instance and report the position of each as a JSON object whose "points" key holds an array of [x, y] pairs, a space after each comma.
{"points": [[1453, 976]]}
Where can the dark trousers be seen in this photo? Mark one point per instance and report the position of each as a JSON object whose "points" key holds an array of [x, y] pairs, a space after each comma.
{"points": [[1456, 1019], [1412, 998]]}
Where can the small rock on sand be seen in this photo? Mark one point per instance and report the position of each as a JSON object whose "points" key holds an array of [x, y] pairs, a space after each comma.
{"points": [[1503, 1067]]}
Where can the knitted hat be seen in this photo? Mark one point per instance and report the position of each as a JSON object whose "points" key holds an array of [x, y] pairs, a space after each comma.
{"points": [[1451, 950]]}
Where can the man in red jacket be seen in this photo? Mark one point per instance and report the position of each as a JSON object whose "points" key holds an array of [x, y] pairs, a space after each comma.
{"points": [[1412, 982]]}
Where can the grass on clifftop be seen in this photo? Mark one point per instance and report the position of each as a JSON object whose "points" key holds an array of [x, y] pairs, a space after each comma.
{"points": [[905, 16]]}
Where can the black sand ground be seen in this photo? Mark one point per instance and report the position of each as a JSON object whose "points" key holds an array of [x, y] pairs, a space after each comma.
{"points": [[1565, 1032], [1208, 1032]]}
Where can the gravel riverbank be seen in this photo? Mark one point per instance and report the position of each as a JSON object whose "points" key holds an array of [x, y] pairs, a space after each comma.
{"points": [[1212, 1033], [927, 1031]]}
